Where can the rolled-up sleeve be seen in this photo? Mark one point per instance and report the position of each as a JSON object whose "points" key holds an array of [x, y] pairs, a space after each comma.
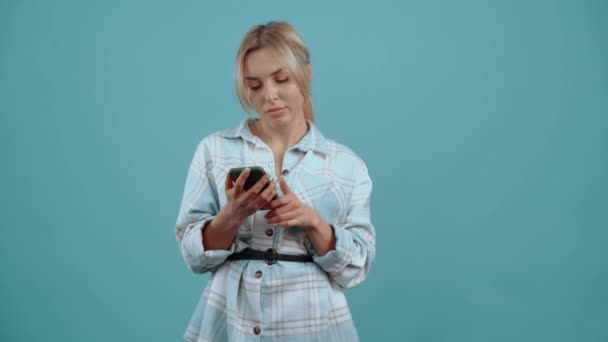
{"points": [[349, 264], [199, 206]]}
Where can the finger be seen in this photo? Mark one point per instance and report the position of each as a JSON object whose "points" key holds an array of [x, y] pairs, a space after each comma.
{"points": [[288, 223], [229, 183], [250, 196], [270, 193], [287, 207], [282, 218], [240, 181], [280, 201], [257, 187], [284, 186], [265, 196], [253, 194]]}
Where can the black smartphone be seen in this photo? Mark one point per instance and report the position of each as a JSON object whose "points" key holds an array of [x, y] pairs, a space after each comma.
{"points": [[255, 174]]}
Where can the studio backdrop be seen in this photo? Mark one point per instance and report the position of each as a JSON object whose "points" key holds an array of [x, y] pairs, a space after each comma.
{"points": [[484, 125]]}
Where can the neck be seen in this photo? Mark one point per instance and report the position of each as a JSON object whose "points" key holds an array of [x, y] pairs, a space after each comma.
{"points": [[280, 136]]}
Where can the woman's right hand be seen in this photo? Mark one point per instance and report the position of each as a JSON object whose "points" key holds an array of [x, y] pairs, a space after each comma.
{"points": [[242, 203]]}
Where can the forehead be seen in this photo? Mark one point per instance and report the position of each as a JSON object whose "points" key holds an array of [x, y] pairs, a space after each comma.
{"points": [[261, 63]]}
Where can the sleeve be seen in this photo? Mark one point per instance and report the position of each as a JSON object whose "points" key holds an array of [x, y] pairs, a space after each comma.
{"points": [[199, 206], [349, 264]]}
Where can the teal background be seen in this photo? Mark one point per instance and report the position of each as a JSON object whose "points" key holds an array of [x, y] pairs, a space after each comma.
{"points": [[483, 123]]}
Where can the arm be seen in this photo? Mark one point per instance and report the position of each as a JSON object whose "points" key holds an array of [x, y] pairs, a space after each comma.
{"points": [[355, 240], [199, 207], [321, 235], [289, 211], [205, 234], [220, 232], [345, 250]]}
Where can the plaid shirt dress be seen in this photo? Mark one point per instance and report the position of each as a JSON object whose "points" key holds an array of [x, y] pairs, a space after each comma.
{"points": [[250, 300]]}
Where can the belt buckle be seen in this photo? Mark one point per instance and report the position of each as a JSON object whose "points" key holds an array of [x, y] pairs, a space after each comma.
{"points": [[271, 256]]}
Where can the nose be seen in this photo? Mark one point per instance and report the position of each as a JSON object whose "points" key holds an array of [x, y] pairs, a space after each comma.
{"points": [[271, 92]]}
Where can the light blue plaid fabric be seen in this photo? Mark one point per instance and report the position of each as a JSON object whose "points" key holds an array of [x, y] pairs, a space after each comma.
{"points": [[292, 301]]}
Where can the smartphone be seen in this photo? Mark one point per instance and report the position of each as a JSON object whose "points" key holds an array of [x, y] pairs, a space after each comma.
{"points": [[255, 174]]}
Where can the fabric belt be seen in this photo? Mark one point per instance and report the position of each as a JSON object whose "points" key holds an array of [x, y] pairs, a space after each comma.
{"points": [[270, 256]]}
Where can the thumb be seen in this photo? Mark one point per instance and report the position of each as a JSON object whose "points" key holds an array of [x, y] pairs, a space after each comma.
{"points": [[284, 187]]}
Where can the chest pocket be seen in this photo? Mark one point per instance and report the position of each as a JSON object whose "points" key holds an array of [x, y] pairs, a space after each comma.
{"points": [[319, 192]]}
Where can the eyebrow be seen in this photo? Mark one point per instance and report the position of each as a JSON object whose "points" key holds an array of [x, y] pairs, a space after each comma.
{"points": [[271, 74]]}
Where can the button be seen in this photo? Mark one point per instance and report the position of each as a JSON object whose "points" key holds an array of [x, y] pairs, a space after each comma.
{"points": [[285, 172], [269, 232], [258, 274], [257, 330]]}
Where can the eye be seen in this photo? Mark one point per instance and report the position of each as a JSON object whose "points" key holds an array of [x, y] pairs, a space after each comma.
{"points": [[282, 79], [255, 87]]}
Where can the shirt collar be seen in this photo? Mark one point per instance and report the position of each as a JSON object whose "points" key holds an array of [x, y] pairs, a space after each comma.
{"points": [[312, 140]]}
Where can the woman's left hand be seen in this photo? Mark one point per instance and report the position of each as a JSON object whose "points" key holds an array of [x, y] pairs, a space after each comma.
{"points": [[288, 211]]}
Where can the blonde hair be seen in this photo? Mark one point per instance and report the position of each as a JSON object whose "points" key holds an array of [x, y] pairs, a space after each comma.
{"points": [[285, 43]]}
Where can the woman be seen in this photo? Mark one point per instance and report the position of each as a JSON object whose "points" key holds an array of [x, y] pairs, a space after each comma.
{"points": [[277, 264]]}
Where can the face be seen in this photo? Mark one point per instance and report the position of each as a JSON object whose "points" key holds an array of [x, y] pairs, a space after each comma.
{"points": [[273, 92]]}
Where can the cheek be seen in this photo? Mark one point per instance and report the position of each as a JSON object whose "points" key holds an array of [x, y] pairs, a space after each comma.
{"points": [[255, 98], [293, 95]]}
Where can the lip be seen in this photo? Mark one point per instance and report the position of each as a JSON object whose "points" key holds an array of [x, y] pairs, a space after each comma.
{"points": [[274, 110]]}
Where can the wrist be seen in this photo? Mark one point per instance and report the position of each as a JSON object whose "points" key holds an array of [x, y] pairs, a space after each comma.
{"points": [[317, 223], [227, 220]]}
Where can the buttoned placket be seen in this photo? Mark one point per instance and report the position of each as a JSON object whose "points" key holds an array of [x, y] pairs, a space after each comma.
{"points": [[264, 156], [259, 278]]}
